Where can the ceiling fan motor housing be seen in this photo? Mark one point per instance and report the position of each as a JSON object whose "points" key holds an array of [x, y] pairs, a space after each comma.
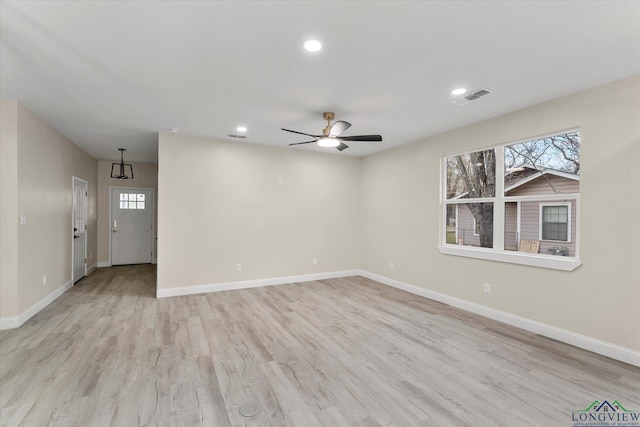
{"points": [[328, 116]]}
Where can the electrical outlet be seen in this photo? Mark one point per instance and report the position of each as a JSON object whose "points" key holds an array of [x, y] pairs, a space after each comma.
{"points": [[487, 288], [238, 267], [391, 266], [44, 279], [315, 261]]}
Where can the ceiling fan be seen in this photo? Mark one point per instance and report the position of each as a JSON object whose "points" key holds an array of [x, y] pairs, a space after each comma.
{"points": [[331, 134]]}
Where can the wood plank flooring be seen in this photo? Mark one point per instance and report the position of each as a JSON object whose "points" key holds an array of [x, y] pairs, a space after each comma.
{"points": [[339, 352]]}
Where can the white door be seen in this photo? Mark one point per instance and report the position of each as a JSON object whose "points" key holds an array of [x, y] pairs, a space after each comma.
{"points": [[132, 212], [79, 229]]}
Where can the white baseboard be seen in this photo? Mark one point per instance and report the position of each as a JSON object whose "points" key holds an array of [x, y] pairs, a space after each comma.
{"points": [[604, 348], [9, 323], [17, 321], [228, 286], [102, 264]]}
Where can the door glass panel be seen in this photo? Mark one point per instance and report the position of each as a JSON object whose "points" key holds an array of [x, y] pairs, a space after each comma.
{"points": [[132, 201]]}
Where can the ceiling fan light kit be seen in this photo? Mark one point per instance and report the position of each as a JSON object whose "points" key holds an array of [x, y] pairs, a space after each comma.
{"points": [[331, 134], [328, 142]]}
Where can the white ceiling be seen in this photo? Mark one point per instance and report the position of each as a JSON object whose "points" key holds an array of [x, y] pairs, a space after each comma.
{"points": [[110, 74]]}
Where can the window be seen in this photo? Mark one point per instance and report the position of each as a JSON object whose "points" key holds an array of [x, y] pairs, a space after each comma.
{"points": [[471, 189], [476, 227], [500, 199], [131, 201], [554, 223]]}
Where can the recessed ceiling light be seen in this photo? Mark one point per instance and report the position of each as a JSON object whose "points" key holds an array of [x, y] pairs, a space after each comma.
{"points": [[241, 129], [312, 45], [458, 91]]}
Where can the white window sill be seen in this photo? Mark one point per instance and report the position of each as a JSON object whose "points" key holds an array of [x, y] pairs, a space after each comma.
{"points": [[536, 260]]}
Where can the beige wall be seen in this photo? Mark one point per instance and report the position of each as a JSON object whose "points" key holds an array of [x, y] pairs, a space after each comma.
{"points": [[221, 205], [400, 192], [8, 208], [145, 176], [45, 163]]}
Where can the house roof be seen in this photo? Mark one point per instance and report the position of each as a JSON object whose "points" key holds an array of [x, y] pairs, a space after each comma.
{"points": [[524, 174], [528, 173]]}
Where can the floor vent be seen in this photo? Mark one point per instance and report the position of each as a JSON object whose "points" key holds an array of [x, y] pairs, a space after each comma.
{"points": [[471, 97]]}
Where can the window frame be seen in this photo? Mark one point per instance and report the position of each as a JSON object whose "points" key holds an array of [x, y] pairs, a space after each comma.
{"points": [[499, 200], [541, 217]]}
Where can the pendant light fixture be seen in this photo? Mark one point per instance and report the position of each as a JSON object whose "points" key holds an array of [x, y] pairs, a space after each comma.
{"points": [[119, 170]]}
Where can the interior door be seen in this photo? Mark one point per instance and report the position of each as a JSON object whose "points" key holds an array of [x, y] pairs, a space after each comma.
{"points": [[132, 213], [79, 257]]}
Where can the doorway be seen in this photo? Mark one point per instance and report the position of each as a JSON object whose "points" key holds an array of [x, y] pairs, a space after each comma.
{"points": [[132, 225], [79, 220]]}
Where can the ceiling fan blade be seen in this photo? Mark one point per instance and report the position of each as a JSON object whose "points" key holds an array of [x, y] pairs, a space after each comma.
{"points": [[339, 127], [300, 143], [301, 133], [361, 138], [342, 146]]}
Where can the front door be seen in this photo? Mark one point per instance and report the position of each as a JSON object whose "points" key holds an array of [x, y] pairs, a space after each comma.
{"points": [[79, 229], [132, 211]]}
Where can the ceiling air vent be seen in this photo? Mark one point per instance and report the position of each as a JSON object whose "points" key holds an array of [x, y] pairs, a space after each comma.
{"points": [[231, 135], [471, 97]]}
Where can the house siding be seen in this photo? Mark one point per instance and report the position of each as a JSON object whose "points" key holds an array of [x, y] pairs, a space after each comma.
{"points": [[466, 227], [530, 211], [530, 227], [529, 216]]}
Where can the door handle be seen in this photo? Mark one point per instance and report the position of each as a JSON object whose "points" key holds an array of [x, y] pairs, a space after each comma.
{"points": [[75, 229], [76, 237], [115, 230]]}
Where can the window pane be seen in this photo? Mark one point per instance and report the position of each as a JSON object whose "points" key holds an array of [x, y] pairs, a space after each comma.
{"points": [[140, 205], [555, 223], [132, 197], [511, 226], [470, 224], [124, 205], [124, 196], [543, 166], [140, 197], [471, 175], [451, 224], [132, 205]]}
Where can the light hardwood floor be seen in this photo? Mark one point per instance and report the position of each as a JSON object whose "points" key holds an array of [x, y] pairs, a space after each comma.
{"points": [[340, 352]]}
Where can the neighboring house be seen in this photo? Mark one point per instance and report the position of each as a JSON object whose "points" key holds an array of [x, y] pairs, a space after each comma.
{"points": [[551, 222]]}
